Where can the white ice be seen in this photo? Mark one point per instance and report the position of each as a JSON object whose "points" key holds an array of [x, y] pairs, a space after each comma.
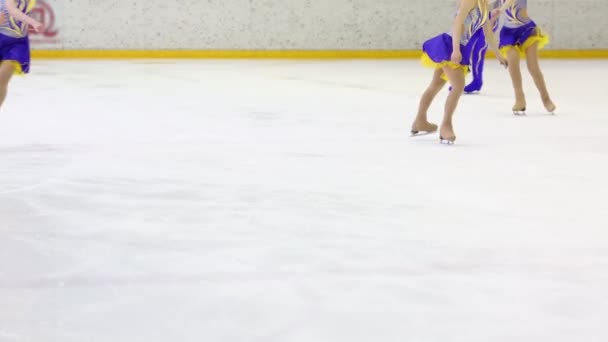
{"points": [[284, 201]]}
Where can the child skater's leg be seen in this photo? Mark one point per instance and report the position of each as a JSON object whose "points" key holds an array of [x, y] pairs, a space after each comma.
{"points": [[514, 70], [537, 76], [456, 78], [7, 69], [421, 124]]}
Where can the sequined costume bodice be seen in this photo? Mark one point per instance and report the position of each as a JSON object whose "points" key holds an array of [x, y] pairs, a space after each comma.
{"points": [[474, 21], [10, 26], [517, 14]]}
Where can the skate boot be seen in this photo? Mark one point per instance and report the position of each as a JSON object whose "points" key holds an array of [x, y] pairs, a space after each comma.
{"points": [[423, 128], [473, 87]]}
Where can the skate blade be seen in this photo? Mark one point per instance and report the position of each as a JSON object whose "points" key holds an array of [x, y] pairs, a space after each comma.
{"points": [[420, 133], [447, 141], [521, 112]]}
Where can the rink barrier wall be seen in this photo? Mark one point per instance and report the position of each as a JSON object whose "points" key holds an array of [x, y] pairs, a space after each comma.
{"points": [[287, 25], [277, 54]]}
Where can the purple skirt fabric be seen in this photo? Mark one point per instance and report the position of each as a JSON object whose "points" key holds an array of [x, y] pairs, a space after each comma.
{"points": [[16, 50], [517, 36], [439, 49]]}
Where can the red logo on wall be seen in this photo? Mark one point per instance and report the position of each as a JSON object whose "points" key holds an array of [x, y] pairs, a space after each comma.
{"points": [[44, 13]]}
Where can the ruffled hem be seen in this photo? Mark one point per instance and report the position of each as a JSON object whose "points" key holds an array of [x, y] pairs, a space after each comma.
{"points": [[539, 38], [429, 63], [17, 65]]}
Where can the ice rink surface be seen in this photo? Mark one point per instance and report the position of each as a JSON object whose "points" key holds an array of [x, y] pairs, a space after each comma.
{"points": [[284, 201]]}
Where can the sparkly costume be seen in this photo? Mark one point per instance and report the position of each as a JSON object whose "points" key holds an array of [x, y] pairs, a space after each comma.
{"points": [[479, 48], [14, 41], [438, 50], [519, 31]]}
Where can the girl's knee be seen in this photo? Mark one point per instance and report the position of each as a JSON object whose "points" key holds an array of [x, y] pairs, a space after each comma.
{"points": [[7, 70], [532, 64], [4, 81], [457, 87], [437, 84]]}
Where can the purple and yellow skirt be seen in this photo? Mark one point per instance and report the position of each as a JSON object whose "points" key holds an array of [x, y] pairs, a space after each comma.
{"points": [[438, 54], [522, 38], [16, 51]]}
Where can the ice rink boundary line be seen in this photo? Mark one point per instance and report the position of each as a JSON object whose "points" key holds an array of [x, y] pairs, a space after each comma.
{"points": [[277, 54]]}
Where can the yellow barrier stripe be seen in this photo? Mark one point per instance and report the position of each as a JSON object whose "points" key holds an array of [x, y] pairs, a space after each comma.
{"points": [[276, 54], [574, 54], [243, 54]]}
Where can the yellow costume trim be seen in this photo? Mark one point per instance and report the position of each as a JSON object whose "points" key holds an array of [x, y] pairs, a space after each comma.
{"points": [[539, 38], [30, 6], [16, 65], [429, 63]]}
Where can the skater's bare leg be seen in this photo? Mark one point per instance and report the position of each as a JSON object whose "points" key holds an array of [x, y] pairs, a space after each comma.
{"points": [[456, 78], [6, 72], [422, 124], [516, 79], [537, 76]]}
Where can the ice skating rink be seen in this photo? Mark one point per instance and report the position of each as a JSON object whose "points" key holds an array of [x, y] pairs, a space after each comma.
{"points": [[284, 201]]}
